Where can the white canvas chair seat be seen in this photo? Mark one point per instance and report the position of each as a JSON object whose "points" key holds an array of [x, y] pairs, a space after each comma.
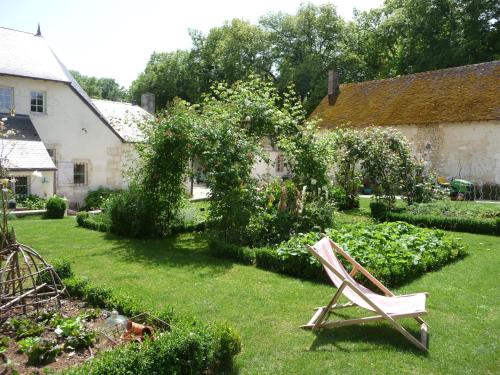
{"points": [[388, 306]]}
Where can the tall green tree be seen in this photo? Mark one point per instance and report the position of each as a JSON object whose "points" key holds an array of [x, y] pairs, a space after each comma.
{"points": [[407, 36], [230, 53], [305, 46], [167, 75], [101, 88]]}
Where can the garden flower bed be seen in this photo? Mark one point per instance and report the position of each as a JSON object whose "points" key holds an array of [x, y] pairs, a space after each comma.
{"points": [[51, 339], [78, 338], [470, 217], [393, 252]]}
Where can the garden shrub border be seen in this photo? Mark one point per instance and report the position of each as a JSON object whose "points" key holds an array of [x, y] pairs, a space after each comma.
{"points": [[460, 224], [292, 263], [191, 346], [86, 220], [266, 258]]}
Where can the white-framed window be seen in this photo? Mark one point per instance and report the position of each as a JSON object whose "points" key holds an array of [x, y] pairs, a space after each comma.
{"points": [[280, 163], [6, 98], [80, 174], [22, 186], [38, 101]]}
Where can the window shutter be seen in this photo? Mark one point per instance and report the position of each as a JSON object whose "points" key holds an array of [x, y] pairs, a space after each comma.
{"points": [[65, 173]]}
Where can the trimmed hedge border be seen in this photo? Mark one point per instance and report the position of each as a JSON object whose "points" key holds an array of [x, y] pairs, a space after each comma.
{"points": [[86, 220], [267, 258], [190, 347], [459, 224]]}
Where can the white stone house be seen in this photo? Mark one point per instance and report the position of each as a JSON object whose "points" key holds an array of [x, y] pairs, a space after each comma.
{"points": [[65, 142], [450, 116]]}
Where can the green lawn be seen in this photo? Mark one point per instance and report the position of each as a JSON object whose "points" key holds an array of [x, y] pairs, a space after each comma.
{"points": [[267, 308]]}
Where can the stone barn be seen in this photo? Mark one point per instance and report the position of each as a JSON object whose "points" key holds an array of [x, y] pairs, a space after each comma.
{"points": [[450, 116]]}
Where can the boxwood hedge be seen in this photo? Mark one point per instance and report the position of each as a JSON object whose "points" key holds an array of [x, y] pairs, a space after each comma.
{"points": [[394, 252], [190, 347]]}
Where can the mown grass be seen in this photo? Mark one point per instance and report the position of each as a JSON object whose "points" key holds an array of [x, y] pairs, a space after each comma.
{"points": [[268, 308]]}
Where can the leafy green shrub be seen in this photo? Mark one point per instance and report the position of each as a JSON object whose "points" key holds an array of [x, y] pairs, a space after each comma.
{"points": [[96, 198], [191, 347], [238, 253], [133, 214], [39, 351], [392, 252], [62, 268], [342, 201], [378, 209], [31, 202], [445, 214], [56, 207], [450, 208], [460, 224], [100, 222], [76, 335], [396, 252], [282, 210], [24, 327]]}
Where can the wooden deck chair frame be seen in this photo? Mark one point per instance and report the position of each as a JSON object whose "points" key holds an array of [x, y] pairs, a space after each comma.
{"points": [[319, 319]]}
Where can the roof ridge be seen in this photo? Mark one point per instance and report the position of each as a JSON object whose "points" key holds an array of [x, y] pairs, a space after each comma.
{"points": [[427, 72], [19, 31], [115, 101]]}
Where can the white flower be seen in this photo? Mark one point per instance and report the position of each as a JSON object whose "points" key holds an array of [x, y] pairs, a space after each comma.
{"points": [[313, 181]]}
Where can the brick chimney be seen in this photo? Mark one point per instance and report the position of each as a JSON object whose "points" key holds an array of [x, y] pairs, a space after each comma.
{"points": [[333, 86], [148, 102]]}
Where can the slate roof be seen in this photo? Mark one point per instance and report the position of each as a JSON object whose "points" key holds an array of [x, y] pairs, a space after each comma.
{"points": [[24, 54], [23, 150], [124, 118], [462, 94]]}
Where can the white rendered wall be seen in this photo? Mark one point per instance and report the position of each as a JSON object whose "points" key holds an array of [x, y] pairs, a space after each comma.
{"points": [[42, 186], [75, 132]]}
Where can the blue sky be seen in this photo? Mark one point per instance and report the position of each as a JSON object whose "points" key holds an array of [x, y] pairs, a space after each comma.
{"points": [[114, 38]]}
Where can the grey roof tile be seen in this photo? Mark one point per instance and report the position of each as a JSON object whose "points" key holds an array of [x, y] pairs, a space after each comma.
{"points": [[27, 55], [24, 150], [124, 118]]}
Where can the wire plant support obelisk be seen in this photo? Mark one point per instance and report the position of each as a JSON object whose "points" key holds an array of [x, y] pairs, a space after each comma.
{"points": [[27, 281]]}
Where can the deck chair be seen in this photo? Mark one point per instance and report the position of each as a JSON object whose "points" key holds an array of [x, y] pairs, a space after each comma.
{"points": [[387, 307]]}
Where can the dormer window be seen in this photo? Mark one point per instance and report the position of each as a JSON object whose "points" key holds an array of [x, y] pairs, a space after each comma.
{"points": [[6, 99], [38, 102]]}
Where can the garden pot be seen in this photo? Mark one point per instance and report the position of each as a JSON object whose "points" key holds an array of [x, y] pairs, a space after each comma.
{"points": [[139, 329]]}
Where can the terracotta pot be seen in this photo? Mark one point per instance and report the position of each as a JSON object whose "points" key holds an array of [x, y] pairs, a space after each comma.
{"points": [[139, 329]]}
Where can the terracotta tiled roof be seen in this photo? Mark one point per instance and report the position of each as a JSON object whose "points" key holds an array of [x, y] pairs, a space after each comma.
{"points": [[466, 93]]}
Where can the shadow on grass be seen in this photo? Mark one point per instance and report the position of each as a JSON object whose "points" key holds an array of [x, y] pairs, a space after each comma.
{"points": [[382, 335], [187, 250]]}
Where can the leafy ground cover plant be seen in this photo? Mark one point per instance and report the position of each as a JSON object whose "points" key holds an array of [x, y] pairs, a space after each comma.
{"points": [[97, 198], [459, 216], [24, 327], [31, 202], [456, 209], [393, 252], [76, 335], [39, 350]]}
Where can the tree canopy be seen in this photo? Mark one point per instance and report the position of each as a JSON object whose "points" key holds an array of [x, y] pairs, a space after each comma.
{"points": [[101, 88], [401, 37]]}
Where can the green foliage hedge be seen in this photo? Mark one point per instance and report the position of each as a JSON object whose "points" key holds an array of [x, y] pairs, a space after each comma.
{"points": [[238, 253], [460, 224], [99, 222], [393, 252], [190, 347], [461, 221], [97, 198], [56, 207], [31, 202]]}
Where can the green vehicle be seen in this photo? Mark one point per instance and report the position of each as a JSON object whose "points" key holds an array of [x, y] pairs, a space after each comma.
{"points": [[461, 189]]}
